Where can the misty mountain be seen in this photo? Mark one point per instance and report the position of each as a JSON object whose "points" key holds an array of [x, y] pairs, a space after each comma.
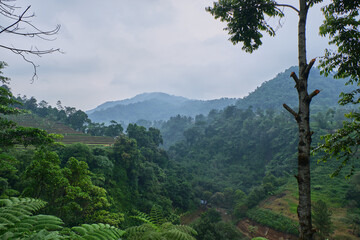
{"points": [[154, 107], [141, 98], [272, 94]]}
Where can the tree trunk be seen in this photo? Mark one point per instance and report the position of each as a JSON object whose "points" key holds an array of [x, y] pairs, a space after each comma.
{"points": [[303, 118]]}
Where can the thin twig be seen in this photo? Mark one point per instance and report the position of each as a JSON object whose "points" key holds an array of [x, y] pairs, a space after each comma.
{"points": [[287, 5], [19, 20]]}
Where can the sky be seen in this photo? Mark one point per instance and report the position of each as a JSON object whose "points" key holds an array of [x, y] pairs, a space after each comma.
{"points": [[116, 49]]}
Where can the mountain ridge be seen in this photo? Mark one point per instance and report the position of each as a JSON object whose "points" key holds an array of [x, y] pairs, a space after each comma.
{"points": [[137, 98], [154, 107], [270, 94]]}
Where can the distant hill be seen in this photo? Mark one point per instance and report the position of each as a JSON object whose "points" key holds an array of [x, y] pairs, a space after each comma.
{"points": [[153, 107], [272, 94], [140, 98]]}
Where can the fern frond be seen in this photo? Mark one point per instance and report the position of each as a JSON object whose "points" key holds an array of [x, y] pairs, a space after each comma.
{"points": [[47, 222], [17, 222], [156, 216], [139, 229], [98, 232], [184, 228], [8, 219], [146, 219], [29, 204], [175, 234], [3, 226], [15, 210], [45, 235]]}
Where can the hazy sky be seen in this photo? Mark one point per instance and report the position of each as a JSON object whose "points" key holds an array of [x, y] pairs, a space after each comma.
{"points": [[115, 49]]}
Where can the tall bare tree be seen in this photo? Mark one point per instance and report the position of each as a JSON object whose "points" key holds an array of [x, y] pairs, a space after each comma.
{"points": [[246, 19], [16, 22]]}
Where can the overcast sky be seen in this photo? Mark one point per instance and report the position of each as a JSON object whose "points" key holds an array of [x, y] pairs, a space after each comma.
{"points": [[116, 49]]}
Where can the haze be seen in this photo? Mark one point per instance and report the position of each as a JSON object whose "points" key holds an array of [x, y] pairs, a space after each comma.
{"points": [[117, 49]]}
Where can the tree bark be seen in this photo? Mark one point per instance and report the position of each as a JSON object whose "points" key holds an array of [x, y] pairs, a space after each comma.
{"points": [[303, 177]]}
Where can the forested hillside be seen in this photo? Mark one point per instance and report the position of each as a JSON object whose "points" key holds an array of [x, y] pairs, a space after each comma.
{"points": [[234, 159], [280, 163], [281, 89], [146, 108]]}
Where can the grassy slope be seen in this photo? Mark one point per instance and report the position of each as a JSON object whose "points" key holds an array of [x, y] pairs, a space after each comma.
{"points": [[330, 190], [70, 135]]}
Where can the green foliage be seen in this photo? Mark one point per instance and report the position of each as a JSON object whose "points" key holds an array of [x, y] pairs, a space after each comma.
{"points": [[210, 227], [236, 148], [321, 218], [273, 220], [353, 193], [246, 20], [17, 221], [10, 133], [172, 130], [156, 227], [343, 144], [342, 26], [97, 231], [69, 190], [8, 172]]}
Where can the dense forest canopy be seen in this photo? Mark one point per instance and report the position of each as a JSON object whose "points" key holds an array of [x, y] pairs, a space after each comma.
{"points": [[231, 159]]}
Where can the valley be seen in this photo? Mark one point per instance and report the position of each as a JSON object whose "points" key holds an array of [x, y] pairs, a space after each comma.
{"points": [[239, 160]]}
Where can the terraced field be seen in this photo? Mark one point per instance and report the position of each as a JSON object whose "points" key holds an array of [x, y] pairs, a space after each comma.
{"points": [[70, 135]]}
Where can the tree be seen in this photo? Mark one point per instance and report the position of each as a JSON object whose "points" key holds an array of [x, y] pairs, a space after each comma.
{"points": [[12, 134], [210, 227], [322, 219], [16, 22], [77, 119], [246, 20], [342, 26]]}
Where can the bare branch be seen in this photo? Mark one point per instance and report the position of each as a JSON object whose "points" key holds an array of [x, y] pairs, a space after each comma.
{"points": [[309, 66], [31, 51], [289, 109], [296, 79], [287, 5], [314, 93], [19, 20], [32, 63], [38, 34], [19, 27]]}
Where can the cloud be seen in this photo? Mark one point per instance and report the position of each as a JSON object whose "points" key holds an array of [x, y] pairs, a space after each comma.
{"points": [[117, 49]]}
